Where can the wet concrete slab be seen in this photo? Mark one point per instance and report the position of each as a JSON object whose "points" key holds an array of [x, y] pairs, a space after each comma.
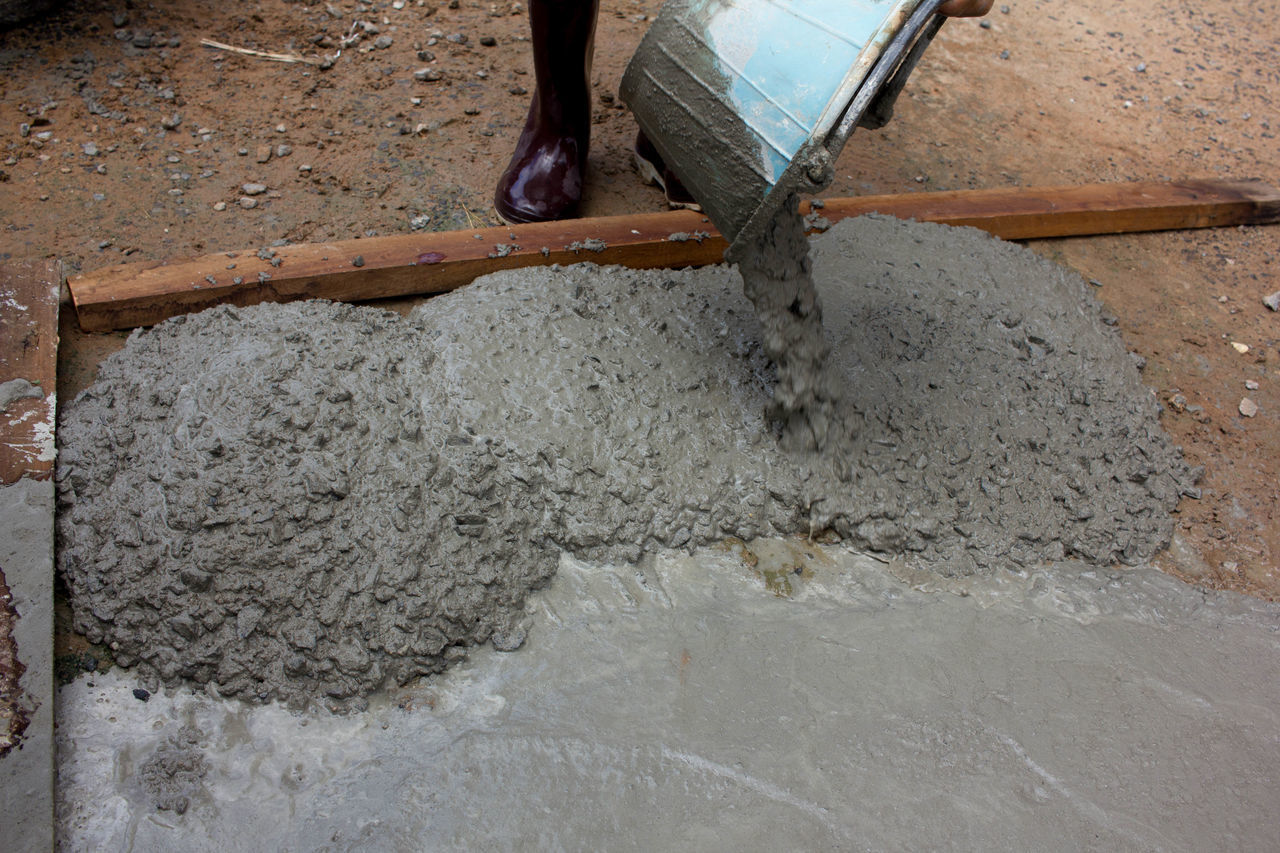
{"points": [[701, 702]]}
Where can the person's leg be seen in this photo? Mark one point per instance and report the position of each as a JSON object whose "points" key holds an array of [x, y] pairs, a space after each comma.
{"points": [[654, 170], [544, 179]]}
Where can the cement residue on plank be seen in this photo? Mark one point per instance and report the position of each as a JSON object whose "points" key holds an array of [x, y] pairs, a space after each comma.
{"points": [[314, 501]]}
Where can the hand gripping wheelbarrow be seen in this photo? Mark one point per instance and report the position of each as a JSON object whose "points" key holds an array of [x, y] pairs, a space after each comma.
{"points": [[749, 101]]}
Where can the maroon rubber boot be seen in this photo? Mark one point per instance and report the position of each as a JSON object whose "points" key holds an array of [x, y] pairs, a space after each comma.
{"points": [[544, 179]]}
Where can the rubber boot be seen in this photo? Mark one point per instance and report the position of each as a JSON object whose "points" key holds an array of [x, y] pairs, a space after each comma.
{"points": [[544, 179]]}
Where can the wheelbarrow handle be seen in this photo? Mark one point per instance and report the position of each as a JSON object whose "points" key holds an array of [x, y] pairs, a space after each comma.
{"points": [[890, 73], [881, 109]]}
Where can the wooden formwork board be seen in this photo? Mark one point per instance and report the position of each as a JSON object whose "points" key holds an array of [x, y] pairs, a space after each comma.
{"points": [[141, 294], [29, 293]]}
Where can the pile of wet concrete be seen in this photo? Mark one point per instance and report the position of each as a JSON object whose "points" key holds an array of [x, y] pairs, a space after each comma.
{"points": [[313, 501]]}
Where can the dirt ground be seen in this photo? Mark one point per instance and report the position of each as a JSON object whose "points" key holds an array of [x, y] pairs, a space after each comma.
{"points": [[123, 138]]}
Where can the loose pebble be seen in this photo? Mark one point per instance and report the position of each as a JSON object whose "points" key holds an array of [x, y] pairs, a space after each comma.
{"points": [[1248, 408]]}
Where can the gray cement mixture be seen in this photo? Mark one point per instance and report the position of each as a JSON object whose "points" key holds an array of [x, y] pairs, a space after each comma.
{"points": [[777, 276], [679, 705], [316, 501]]}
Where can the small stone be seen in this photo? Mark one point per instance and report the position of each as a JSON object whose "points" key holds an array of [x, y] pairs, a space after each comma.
{"points": [[280, 128], [253, 189], [142, 40], [172, 122], [141, 695], [1248, 408], [357, 261], [219, 206], [1239, 347], [1272, 301], [518, 90], [304, 167], [283, 150], [1004, 54], [90, 149], [426, 56], [1250, 385], [382, 42], [488, 41], [428, 75], [248, 203], [1141, 67], [263, 153], [457, 38], [417, 223]]}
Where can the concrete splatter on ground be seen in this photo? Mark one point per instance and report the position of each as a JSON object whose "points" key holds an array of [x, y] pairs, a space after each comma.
{"points": [[316, 501]]}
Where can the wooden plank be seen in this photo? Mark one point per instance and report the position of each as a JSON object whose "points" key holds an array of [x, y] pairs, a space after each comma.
{"points": [[400, 265], [1075, 211], [28, 366], [144, 293], [29, 293]]}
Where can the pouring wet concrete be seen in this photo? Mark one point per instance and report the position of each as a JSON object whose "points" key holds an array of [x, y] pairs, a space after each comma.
{"points": [[318, 504], [684, 704], [313, 502]]}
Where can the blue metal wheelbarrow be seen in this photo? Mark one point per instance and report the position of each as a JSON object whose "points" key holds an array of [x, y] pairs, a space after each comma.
{"points": [[749, 101]]}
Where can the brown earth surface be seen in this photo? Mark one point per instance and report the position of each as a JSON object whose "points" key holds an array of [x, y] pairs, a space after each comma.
{"points": [[138, 139]]}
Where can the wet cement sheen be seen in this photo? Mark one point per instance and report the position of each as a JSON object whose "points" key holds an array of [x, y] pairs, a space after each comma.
{"points": [[314, 501], [678, 705]]}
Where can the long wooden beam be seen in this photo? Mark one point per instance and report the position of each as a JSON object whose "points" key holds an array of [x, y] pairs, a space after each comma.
{"points": [[29, 291], [141, 294]]}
